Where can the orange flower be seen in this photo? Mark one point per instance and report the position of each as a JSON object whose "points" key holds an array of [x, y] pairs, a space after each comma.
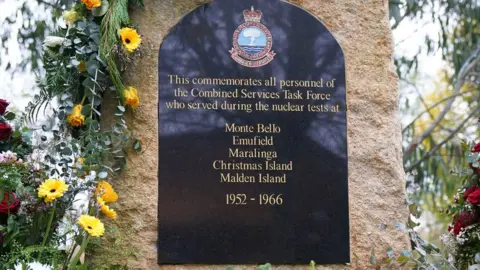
{"points": [[76, 118], [131, 97], [92, 3], [106, 192]]}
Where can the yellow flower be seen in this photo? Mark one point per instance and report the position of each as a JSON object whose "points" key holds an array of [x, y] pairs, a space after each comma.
{"points": [[106, 192], [81, 160], [71, 16], [92, 3], [82, 67], [52, 189], [107, 211], [76, 118], [92, 225], [131, 97], [130, 38]]}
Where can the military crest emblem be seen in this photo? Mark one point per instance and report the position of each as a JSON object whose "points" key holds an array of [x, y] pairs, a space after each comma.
{"points": [[252, 41]]}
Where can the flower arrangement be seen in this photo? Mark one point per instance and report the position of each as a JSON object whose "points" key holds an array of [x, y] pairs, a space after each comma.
{"points": [[34, 208], [45, 173], [463, 237]]}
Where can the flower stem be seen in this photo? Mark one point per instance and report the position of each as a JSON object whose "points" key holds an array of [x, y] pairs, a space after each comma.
{"points": [[79, 253], [83, 99], [49, 225]]}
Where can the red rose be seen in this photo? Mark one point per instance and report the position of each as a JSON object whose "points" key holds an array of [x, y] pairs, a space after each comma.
{"points": [[466, 218], [3, 105], [469, 191], [5, 132], [457, 228], [472, 195], [10, 204], [476, 148]]}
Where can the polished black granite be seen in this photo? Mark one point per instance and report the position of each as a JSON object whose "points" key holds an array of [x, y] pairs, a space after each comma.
{"points": [[195, 225]]}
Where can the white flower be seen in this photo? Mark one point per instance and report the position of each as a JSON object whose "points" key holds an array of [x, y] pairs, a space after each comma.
{"points": [[53, 41], [33, 266]]}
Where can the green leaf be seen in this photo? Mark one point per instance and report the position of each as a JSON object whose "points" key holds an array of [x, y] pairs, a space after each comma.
{"points": [[477, 257], [402, 259], [27, 137], [101, 10], [265, 267], [9, 116], [405, 253], [16, 134], [395, 12], [137, 146], [92, 67], [66, 151], [390, 253], [373, 259]]}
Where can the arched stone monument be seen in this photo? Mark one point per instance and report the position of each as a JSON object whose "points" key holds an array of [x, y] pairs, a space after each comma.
{"points": [[375, 174]]}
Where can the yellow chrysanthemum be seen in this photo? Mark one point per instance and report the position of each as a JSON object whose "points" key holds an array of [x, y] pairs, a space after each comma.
{"points": [[52, 189], [71, 16], [92, 3], [106, 192], [92, 225], [131, 97], [107, 211], [130, 38], [76, 118]]}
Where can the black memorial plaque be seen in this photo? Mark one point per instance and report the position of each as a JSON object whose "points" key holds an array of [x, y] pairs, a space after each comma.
{"points": [[252, 138]]}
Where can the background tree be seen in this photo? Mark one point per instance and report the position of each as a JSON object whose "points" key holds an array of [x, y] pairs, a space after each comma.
{"points": [[438, 120]]}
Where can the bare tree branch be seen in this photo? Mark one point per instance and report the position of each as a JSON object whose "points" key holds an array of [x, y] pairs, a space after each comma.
{"points": [[435, 105], [469, 64], [434, 149]]}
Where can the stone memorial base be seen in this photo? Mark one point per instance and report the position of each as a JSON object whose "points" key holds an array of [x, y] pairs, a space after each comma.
{"points": [[376, 184]]}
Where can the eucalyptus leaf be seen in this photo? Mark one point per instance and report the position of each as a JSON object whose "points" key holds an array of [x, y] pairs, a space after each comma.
{"points": [[101, 10], [137, 146], [390, 253], [92, 67], [66, 151], [373, 259], [102, 175], [395, 12]]}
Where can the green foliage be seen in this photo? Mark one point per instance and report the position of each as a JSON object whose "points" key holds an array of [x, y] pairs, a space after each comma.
{"points": [[51, 255], [265, 267], [459, 28], [116, 17], [139, 3], [81, 71]]}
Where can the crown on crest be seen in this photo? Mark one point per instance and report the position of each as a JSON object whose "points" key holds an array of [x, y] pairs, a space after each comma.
{"points": [[252, 15]]}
